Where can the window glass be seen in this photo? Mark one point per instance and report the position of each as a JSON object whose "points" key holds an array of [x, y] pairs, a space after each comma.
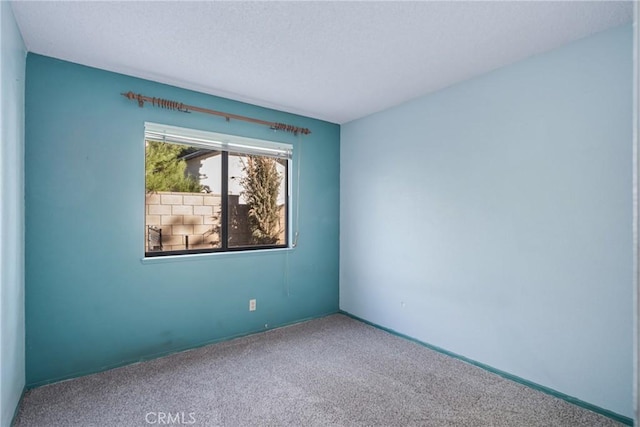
{"points": [[200, 199], [256, 200]]}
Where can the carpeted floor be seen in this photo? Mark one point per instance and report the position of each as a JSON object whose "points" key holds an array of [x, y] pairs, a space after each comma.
{"points": [[333, 371]]}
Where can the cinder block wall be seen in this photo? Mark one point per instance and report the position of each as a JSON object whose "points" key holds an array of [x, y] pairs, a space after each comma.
{"points": [[194, 215], [197, 216]]}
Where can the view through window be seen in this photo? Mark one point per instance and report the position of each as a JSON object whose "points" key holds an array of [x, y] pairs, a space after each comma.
{"points": [[209, 192]]}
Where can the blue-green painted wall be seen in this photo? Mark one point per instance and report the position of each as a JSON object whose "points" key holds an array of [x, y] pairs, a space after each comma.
{"points": [[493, 219], [90, 302], [12, 81]]}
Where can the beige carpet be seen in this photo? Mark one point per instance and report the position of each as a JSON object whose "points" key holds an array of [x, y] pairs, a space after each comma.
{"points": [[333, 371]]}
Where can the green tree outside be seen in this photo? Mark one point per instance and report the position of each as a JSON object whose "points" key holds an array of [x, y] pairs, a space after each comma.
{"points": [[261, 184], [165, 171]]}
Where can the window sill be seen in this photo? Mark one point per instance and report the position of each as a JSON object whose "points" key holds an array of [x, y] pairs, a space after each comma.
{"points": [[212, 255]]}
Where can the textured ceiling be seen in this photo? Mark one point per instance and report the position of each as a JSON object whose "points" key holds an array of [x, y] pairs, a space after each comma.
{"points": [[335, 61]]}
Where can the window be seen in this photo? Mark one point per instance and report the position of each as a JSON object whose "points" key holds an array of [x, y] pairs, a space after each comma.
{"points": [[209, 192]]}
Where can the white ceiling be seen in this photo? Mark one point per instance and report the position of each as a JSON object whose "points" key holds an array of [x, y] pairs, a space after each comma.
{"points": [[336, 61]]}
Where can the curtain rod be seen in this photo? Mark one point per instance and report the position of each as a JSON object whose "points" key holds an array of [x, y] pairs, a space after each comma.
{"points": [[173, 105]]}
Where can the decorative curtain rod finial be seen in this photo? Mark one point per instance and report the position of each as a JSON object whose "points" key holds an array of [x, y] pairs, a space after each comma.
{"points": [[132, 96]]}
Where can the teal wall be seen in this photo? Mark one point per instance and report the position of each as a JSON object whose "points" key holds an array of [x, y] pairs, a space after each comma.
{"points": [[12, 332], [493, 219], [90, 302]]}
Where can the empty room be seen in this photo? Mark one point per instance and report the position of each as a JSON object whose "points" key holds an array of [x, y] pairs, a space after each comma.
{"points": [[230, 213]]}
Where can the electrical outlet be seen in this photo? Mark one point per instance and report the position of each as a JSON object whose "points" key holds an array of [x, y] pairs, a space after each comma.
{"points": [[252, 305]]}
